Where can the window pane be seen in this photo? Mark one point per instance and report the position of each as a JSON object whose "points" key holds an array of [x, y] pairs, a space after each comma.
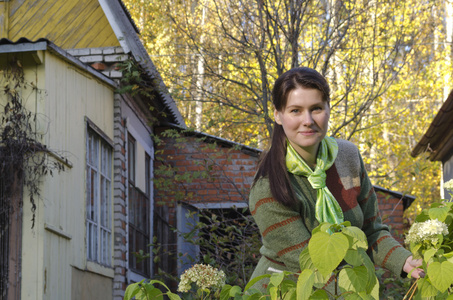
{"points": [[131, 157], [138, 229], [98, 199]]}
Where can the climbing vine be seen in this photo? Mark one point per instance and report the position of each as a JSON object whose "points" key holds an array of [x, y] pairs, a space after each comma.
{"points": [[23, 158]]}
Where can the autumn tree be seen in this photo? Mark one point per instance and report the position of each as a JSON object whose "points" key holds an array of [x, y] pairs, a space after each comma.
{"points": [[385, 61]]}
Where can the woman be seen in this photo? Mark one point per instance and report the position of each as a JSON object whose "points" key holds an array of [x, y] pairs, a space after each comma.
{"points": [[306, 178]]}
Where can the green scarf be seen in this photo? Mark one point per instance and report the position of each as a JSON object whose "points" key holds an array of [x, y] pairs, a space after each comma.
{"points": [[327, 208]]}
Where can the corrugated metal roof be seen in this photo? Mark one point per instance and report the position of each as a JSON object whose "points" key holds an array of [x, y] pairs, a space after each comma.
{"points": [[129, 16], [438, 139], [128, 35]]}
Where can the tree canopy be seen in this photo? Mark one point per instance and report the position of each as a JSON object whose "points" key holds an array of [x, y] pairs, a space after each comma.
{"points": [[385, 60]]}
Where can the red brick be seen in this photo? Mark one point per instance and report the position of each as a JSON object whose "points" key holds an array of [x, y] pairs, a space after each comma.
{"points": [[195, 168], [99, 66], [182, 163]]}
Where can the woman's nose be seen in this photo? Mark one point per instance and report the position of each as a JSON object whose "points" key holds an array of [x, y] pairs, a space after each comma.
{"points": [[307, 119]]}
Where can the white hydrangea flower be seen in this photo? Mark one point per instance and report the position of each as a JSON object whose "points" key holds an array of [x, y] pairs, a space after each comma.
{"points": [[204, 276], [449, 185], [426, 231]]}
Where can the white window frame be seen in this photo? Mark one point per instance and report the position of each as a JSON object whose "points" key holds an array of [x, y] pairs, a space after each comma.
{"points": [[99, 196]]}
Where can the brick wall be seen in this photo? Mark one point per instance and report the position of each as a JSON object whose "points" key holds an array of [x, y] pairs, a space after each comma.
{"points": [[119, 203], [391, 207], [105, 60], [220, 172]]}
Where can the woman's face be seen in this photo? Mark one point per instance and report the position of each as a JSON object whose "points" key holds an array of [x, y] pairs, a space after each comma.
{"points": [[305, 120]]}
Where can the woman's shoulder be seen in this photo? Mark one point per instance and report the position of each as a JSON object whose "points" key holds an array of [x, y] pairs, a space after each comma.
{"points": [[344, 145], [348, 156], [260, 189], [261, 184]]}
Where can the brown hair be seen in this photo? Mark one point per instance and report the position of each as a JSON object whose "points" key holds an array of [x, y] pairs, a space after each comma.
{"points": [[273, 163]]}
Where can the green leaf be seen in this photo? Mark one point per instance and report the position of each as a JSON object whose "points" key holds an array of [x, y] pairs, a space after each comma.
{"points": [[374, 291], [426, 288], [319, 295], [353, 279], [353, 258], [273, 291], [439, 213], [324, 227], [159, 282], [441, 275], [327, 251], [255, 280], [154, 293], [372, 279], [225, 292], [255, 296], [132, 290], [276, 278], [235, 290], [358, 236], [422, 217], [305, 284], [306, 263], [415, 249], [171, 296], [289, 294], [428, 254]]}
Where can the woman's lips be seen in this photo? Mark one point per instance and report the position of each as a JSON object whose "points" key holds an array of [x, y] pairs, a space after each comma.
{"points": [[311, 132]]}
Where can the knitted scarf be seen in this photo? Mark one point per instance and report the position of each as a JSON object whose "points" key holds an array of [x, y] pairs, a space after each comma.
{"points": [[327, 208]]}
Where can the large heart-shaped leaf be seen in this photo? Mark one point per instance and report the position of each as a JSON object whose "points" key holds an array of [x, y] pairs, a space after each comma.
{"points": [[305, 262], [426, 288], [441, 275], [439, 213], [352, 257], [319, 295], [305, 284], [327, 251], [372, 279], [353, 279]]}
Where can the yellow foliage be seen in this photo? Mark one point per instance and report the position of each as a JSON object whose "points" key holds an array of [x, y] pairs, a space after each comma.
{"points": [[384, 59]]}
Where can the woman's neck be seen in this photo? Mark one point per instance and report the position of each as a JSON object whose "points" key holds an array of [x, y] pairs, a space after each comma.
{"points": [[308, 155]]}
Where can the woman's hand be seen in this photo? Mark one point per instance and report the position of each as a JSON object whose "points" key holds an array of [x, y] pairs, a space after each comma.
{"points": [[411, 264]]}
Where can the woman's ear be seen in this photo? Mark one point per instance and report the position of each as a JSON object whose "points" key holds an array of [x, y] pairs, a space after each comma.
{"points": [[277, 117]]}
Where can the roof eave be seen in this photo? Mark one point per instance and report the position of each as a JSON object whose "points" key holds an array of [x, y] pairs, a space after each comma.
{"points": [[26, 45], [437, 140], [127, 36]]}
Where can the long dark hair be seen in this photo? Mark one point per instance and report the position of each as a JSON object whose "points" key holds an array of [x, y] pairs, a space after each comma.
{"points": [[273, 163]]}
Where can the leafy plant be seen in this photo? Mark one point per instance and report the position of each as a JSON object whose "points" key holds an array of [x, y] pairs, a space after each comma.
{"points": [[23, 159], [431, 238], [333, 265]]}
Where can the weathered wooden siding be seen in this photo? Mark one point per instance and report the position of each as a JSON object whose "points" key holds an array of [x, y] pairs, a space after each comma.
{"points": [[58, 238], [69, 24]]}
